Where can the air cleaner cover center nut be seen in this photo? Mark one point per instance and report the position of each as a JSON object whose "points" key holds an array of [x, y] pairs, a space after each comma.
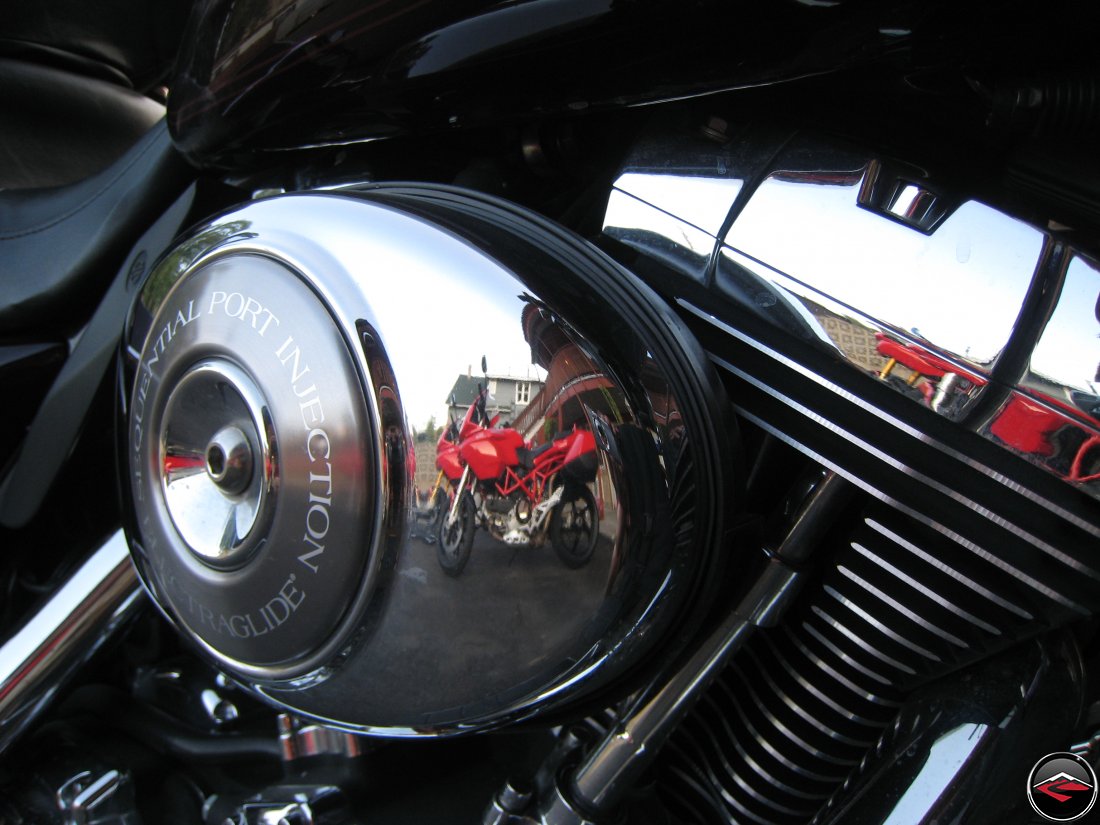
{"points": [[215, 491], [253, 456]]}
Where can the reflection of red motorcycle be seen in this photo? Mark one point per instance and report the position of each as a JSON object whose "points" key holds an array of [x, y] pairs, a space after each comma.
{"points": [[1042, 428], [430, 507], [429, 510], [521, 493]]}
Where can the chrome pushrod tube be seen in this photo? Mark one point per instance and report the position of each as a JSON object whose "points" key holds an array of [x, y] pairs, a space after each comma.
{"points": [[615, 765], [64, 633], [617, 762]]}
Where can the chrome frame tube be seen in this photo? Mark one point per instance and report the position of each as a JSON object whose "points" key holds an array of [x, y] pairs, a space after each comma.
{"points": [[64, 633]]}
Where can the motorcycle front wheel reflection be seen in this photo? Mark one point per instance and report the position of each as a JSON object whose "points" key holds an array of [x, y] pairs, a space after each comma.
{"points": [[456, 537]]}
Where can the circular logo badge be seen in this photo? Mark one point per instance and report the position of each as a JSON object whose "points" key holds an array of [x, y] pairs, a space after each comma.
{"points": [[1062, 787]]}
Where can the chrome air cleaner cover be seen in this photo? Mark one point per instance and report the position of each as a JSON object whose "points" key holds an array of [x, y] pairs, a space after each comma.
{"points": [[245, 426], [281, 367]]}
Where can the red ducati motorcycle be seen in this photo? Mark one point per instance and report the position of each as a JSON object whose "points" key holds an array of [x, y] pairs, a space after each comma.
{"points": [[429, 508], [518, 492]]}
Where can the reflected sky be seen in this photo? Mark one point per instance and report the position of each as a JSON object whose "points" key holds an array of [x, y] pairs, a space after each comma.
{"points": [[701, 201], [947, 757], [457, 320], [679, 244], [1068, 352], [960, 288]]}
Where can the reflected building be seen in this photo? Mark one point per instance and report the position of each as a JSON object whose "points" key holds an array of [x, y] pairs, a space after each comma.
{"points": [[857, 341], [575, 392], [424, 450], [509, 395], [571, 375]]}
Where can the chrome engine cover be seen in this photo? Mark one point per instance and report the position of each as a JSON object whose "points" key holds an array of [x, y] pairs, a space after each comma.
{"points": [[277, 363]]}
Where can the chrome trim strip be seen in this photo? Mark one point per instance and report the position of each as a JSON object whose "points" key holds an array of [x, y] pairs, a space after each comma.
{"points": [[868, 448], [840, 654], [925, 591], [770, 748], [739, 807], [738, 779], [859, 640], [650, 720], [1037, 497], [954, 303], [793, 737], [820, 664], [873, 491], [912, 473], [844, 601], [950, 571], [799, 710], [732, 738], [64, 633], [845, 712], [904, 611]]}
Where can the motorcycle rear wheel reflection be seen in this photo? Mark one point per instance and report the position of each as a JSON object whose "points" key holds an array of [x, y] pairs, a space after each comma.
{"points": [[574, 527]]}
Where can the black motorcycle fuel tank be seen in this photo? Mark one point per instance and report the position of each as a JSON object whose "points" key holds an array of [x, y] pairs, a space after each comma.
{"points": [[259, 75]]}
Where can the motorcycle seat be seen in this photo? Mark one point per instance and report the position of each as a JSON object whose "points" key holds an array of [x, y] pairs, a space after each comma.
{"points": [[62, 126], [60, 246], [527, 457]]}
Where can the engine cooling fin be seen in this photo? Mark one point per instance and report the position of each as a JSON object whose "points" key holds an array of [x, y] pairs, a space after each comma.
{"points": [[801, 706]]}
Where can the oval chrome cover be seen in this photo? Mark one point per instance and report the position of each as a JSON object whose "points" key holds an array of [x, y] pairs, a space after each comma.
{"points": [[289, 371]]}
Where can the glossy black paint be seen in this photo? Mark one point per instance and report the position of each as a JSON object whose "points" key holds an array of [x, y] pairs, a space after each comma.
{"points": [[258, 75], [27, 369], [274, 74]]}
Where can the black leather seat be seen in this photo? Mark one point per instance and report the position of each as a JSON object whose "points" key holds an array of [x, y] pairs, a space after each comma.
{"points": [[84, 166], [60, 127], [59, 247], [527, 457]]}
